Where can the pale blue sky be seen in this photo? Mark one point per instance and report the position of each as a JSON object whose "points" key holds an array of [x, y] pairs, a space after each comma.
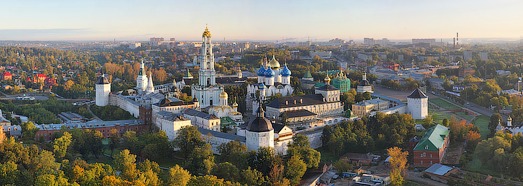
{"points": [[258, 20]]}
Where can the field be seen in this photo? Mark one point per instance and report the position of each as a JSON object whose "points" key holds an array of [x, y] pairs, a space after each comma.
{"points": [[482, 123], [443, 104]]}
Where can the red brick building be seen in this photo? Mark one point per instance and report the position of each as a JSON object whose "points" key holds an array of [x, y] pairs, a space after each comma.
{"points": [[432, 147]]}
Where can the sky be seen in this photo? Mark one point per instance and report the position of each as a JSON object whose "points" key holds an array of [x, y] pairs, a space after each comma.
{"points": [[259, 20]]}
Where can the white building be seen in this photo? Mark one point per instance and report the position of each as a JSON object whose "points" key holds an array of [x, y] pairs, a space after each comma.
{"points": [[103, 88], [202, 119], [171, 123], [259, 132], [364, 85], [141, 79], [417, 103], [325, 102], [207, 91]]}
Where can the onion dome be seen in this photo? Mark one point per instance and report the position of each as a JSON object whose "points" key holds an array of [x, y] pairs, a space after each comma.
{"points": [[235, 104], [274, 63], [261, 71], [285, 71], [269, 72], [224, 95], [327, 79], [261, 86], [206, 33]]}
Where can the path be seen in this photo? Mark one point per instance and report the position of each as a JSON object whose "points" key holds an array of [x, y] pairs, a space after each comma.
{"points": [[94, 116], [416, 177]]}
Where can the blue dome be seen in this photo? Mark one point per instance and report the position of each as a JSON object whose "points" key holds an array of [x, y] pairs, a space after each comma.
{"points": [[285, 71], [261, 71], [269, 72], [261, 86]]}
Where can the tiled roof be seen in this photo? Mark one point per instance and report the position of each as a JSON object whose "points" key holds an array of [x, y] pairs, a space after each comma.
{"points": [[299, 113], [192, 112], [306, 100]]}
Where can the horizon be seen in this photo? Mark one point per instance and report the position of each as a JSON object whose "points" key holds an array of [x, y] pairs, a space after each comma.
{"points": [[259, 21]]}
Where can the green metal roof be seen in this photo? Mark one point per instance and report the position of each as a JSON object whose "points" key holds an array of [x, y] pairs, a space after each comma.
{"points": [[433, 139], [307, 74], [227, 121]]}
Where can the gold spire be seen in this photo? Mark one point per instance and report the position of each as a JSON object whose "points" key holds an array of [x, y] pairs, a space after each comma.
{"points": [[206, 33]]}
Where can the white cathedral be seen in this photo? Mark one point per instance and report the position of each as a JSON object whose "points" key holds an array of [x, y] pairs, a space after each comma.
{"points": [[274, 79]]}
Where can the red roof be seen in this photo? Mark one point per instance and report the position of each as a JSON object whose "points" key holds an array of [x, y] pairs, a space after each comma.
{"points": [[41, 75], [6, 73]]}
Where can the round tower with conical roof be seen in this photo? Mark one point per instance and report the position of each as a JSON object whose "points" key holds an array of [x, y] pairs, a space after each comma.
{"points": [[259, 131]]}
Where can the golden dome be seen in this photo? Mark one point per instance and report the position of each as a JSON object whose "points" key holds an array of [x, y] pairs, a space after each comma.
{"points": [[206, 33], [273, 63], [224, 95]]}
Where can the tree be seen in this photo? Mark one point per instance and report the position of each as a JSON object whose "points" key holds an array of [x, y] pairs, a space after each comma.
{"points": [[9, 173], [2, 136], [61, 145], [300, 147], [294, 169], [226, 171], [342, 165], [29, 130], [201, 161], [233, 152], [398, 165], [52, 180], [126, 162], [178, 176], [261, 160], [207, 180], [495, 119], [188, 139], [252, 177]]}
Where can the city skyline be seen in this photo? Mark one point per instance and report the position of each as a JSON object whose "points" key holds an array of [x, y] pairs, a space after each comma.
{"points": [[256, 20]]}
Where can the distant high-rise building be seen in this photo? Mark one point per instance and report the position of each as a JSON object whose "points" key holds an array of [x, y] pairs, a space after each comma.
{"points": [[483, 56], [369, 41], [424, 41], [467, 55], [156, 41]]}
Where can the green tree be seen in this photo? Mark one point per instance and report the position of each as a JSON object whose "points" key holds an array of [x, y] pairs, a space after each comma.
{"points": [[300, 147], [233, 152], [226, 171], [61, 144], [207, 180], [201, 161], [342, 165], [495, 119], [29, 130], [294, 169], [178, 176], [188, 139], [252, 177]]}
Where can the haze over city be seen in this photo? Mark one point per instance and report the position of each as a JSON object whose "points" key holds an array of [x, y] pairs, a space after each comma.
{"points": [[259, 20]]}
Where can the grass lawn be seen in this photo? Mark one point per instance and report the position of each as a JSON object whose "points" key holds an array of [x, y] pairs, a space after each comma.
{"points": [[482, 123], [464, 115], [443, 104]]}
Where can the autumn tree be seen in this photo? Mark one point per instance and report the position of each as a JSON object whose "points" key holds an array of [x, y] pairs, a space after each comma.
{"points": [[61, 144], [252, 177], [126, 162], [178, 176], [187, 140], [398, 165]]}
